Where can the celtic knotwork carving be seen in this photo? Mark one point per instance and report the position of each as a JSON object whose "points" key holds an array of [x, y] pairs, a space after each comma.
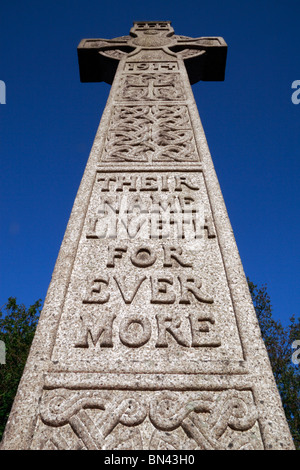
{"points": [[150, 133], [129, 136], [164, 440], [151, 86], [195, 420], [174, 145], [58, 409], [172, 117], [234, 412], [167, 413], [231, 411]]}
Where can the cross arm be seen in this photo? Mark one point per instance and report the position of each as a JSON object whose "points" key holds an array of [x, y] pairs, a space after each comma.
{"points": [[98, 58], [204, 57]]}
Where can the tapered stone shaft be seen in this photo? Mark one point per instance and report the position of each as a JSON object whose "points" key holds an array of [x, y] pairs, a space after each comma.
{"points": [[148, 337]]}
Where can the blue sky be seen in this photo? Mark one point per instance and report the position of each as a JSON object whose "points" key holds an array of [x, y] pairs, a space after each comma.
{"points": [[49, 121]]}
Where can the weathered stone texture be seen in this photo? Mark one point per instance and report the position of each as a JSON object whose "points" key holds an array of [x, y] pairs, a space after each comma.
{"points": [[148, 338]]}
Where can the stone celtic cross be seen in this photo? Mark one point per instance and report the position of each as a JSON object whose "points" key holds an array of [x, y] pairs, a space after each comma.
{"points": [[148, 337]]}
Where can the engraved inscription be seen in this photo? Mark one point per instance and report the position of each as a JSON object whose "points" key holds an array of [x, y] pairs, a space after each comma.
{"points": [[149, 207], [151, 67], [146, 299], [136, 330], [163, 289]]}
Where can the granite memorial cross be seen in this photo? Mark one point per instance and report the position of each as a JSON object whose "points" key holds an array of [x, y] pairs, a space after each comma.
{"points": [[148, 338]]}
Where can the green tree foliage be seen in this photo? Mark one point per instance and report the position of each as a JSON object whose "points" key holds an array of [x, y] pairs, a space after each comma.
{"points": [[278, 340], [17, 327]]}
